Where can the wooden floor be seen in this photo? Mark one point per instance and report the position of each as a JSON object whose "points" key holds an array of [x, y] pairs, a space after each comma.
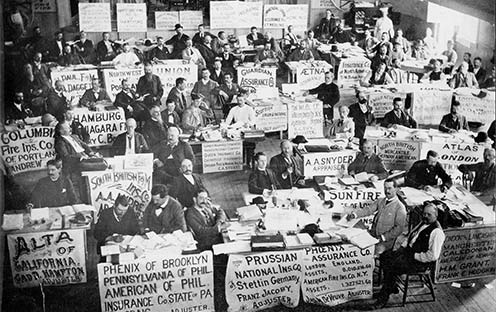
{"points": [[226, 190]]}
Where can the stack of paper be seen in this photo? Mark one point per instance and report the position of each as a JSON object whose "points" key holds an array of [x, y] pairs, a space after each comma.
{"points": [[249, 213]]}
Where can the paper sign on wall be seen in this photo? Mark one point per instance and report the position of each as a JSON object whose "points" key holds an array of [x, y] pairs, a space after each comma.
{"points": [[283, 15], [352, 70], [131, 17], [263, 80], [235, 14], [166, 20], [94, 17], [429, 107], [382, 103], [190, 19]]}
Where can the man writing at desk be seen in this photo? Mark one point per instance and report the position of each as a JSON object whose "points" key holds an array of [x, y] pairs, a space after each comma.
{"points": [[367, 161], [425, 173]]}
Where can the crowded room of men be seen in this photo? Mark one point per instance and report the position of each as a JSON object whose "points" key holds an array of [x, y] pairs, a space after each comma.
{"points": [[252, 155]]}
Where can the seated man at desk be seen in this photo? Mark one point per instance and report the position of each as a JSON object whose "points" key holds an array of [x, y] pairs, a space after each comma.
{"points": [[93, 95], [116, 220], [255, 38], [301, 53], [422, 248], [163, 214], [55, 190], [343, 126], [241, 115], [367, 161], [155, 129], [453, 121], [390, 220], [206, 221], [286, 167], [267, 55], [398, 116], [484, 182], [127, 58], [262, 179], [130, 142], [227, 91], [425, 173], [197, 115], [186, 186]]}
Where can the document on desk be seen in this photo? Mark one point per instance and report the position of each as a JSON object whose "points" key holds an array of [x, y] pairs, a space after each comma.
{"points": [[362, 177], [40, 213], [415, 196], [249, 213]]}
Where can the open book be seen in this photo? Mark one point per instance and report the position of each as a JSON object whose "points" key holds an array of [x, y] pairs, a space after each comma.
{"points": [[358, 237]]}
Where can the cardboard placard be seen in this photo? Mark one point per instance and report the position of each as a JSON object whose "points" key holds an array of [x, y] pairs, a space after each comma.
{"points": [[102, 126], [51, 258], [222, 156], [44, 6], [113, 79], [336, 274], [467, 253], [263, 80], [322, 4], [398, 155], [94, 17], [259, 281], [283, 15], [478, 109], [305, 118], [271, 118], [327, 164], [429, 107], [76, 82], [28, 149], [166, 20], [173, 69], [235, 14], [183, 283], [382, 103], [190, 19], [352, 70], [131, 17], [354, 200], [309, 77]]}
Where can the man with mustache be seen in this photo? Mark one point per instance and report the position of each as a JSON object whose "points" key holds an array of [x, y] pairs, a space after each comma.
{"points": [[187, 185], [149, 87], [425, 173], [484, 182]]}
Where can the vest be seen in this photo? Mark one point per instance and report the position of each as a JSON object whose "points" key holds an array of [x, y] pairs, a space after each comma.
{"points": [[422, 242], [435, 76]]}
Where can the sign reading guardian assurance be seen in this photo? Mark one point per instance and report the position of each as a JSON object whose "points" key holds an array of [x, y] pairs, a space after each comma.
{"points": [[263, 80]]}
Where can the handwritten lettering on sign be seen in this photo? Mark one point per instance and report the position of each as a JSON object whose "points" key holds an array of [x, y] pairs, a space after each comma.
{"points": [[94, 17], [325, 164], [235, 14], [271, 118], [283, 15], [305, 118], [352, 70], [478, 109], [131, 17], [429, 107], [260, 281], [337, 274], [76, 82], [310, 77], [102, 126], [382, 103], [28, 149], [467, 253], [263, 80], [50, 258], [183, 283], [166, 20], [222, 156]]}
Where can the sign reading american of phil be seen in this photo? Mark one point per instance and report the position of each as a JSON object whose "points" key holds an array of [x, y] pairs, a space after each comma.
{"points": [[235, 14], [28, 149], [352, 70], [467, 253], [260, 281], [131, 17], [271, 118], [263, 80], [478, 109], [183, 283], [102, 126], [309, 77], [324, 164], [382, 103], [76, 82], [94, 17], [283, 15], [222, 156], [398, 155], [50, 258], [337, 274], [305, 118], [429, 107]]}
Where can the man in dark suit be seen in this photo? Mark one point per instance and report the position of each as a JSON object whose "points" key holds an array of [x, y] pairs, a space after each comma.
{"points": [[170, 116], [130, 142], [17, 110], [398, 116], [206, 51], [262, 179], [326, 26], [178, 42], [93, 95], [186, 186], [199, 37], [169, 156], [77, 128], [453, 122], [328, 93], [206, 221], [227, 58], [217, 73], [227, 91], [56, 47], [286, 167], [177, 95], [155, 129], [37, 83], [164, 214], [426, 173], [367, 161], [105, 49], [160, 52], [255, 38], [128, 100], [479, 72], [150, 87], [85, 48], [57, 102]]}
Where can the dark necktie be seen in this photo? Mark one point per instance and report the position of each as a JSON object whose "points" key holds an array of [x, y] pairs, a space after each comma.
{"points": [[183, 99], [206, 215], [129, 139]]}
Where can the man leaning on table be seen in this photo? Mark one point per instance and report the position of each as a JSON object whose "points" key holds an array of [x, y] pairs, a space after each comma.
{"points": [[367, 161], [390, 221], [164, 214], [425, 173]]}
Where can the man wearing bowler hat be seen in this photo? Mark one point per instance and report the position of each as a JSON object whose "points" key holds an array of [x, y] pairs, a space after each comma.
{"points": [[178, 42]]}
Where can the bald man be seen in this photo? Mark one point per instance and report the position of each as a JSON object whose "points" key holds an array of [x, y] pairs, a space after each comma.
{"points": [[186, 186], [286, 167], [421, 249], [484, 183], [130, 142]]}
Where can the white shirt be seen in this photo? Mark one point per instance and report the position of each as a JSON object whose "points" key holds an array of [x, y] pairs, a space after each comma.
{"points": [[19, 106], [59, 44], [244, 115], [75, 145], [126, 59], [159, 210], [130, 145], [189, 177], [436, 241], [384, 24]]}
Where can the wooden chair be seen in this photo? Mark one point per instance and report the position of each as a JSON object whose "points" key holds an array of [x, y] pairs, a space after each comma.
{"points": [[415, 280]]}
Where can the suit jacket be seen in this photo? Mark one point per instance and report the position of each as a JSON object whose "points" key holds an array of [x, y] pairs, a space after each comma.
{"points": [[79, 130], [262, 180], [107, 225], [54, 51], [61, 193], [178, 44], [163, 54], [13, 113], [361, 119], [169, 220], [65, 152], [103, 53], [123, 99], [217, 78], [184, 191], [197, 39], [392, 119], [154, 132], [279, 165], [178, 98], [153, 87], [298, 55], [390, 220], [207, 53], [421, 174], [86, 50], [255, 40], [448, 123], [89, 97], [37, 78], [263, 55], [205, 231], [172, 157], [227, 62], [69, 59], [119, 145], [176, 120], [480, 75], [56, 105], [372, 165]]}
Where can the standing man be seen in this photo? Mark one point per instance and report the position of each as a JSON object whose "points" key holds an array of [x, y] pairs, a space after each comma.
{"points": [[206, 51], [149, 87], [453, 122], [398, 116], [262, 179], [326, 26], [425, 173], [177, 94], [328, 93], [286, 167], [367, 161], [384, 24], [207, 88], [130, 142], [164, 214], [362, 114], [178, 42], [187, 185]]}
